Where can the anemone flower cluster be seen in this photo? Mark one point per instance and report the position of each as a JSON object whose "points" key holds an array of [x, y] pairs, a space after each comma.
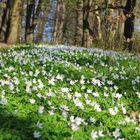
{"points": [[69, 93]]}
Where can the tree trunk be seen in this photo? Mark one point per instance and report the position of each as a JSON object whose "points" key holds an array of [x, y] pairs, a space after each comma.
{"points": [[40, 30], [79, 28], [88, 24], [13, 34], [106, 25], [59, 22], [129, 23], [97, 25], [5, 21], [120, 27], [38, 20], [29, 21]]}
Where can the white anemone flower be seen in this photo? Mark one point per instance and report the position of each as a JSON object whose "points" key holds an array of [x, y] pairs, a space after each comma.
{"points": [[77, 94], [95, 94], [32, 101], [124, 110], [82, 81], [37, 134], [60, 77], [100, 133], [39, 125], [74, 127], [65, 90], [76, 122], [121, 139], [94, 135], [138, 94], [51, 112], [39, 95], [118, 95], [113, 111], [40, 84], [92, 120], [41, 109], [3, 101], [89, 91], [51, 81], [64, 107], [72, 82], [116, 133], [78, 103]]}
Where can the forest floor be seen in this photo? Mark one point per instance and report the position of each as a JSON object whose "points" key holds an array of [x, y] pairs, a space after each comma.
{"points": [[4, 45], [61, 92]]}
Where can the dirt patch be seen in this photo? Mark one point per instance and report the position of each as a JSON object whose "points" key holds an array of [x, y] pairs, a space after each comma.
{"points": [[4, 45]]}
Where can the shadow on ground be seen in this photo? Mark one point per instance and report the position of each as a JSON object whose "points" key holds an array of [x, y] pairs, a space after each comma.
{"points": [[14, 128]]}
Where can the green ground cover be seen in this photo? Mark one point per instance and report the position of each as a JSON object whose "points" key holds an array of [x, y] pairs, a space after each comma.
{"points": [[62, 94]]}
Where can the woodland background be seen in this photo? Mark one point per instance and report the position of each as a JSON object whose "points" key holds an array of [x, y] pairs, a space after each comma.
{"points": [[105, 23]]}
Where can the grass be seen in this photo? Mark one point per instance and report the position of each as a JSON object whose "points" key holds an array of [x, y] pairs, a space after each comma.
{"points": [[63, 94]]}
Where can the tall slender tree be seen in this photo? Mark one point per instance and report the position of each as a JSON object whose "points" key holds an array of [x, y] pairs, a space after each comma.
{"points": [[4, 27], [59, 22], [14, 23], [29, 21], [79, 23], [129, 23]]}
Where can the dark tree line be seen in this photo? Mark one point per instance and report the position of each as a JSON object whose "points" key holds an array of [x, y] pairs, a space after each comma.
{"points": [[76, 22], [21, 18]]}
